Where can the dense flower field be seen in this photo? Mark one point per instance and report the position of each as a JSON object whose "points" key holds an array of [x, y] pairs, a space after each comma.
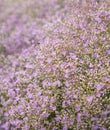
{"points": [[54, 65]]}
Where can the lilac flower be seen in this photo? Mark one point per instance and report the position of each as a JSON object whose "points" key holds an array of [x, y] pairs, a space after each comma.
{"points": [[108, 51], [78, 117], [73, 56], [65, 127], [99, 87], [77, 108], [15, 122], [44, 114], [5, 126], [75, 96], [26, 127], [98, 19], [43, 129], [49, 60], [67, 84], [95, 127], [106, 112], [57, 83], [90, 98], [45, 83], [64, 104], [11, 93]]}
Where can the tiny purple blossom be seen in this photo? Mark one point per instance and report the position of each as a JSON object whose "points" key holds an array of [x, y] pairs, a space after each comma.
{"points": [[108, 51], [78, 117], [77, 108], [90, 98], [65, 127]]}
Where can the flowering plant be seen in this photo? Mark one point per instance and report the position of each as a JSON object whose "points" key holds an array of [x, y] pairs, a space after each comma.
{"points": [[61, 80]]}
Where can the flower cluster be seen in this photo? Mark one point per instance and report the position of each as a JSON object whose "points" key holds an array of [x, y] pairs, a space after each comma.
{"points": [[62, 83]]}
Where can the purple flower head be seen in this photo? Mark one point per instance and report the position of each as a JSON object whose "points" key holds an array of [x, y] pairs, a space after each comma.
{"points": [[78, 117], [90, 98], [77, 108], [108, 51], [5, 126], [65, 127], [99, 87]]}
